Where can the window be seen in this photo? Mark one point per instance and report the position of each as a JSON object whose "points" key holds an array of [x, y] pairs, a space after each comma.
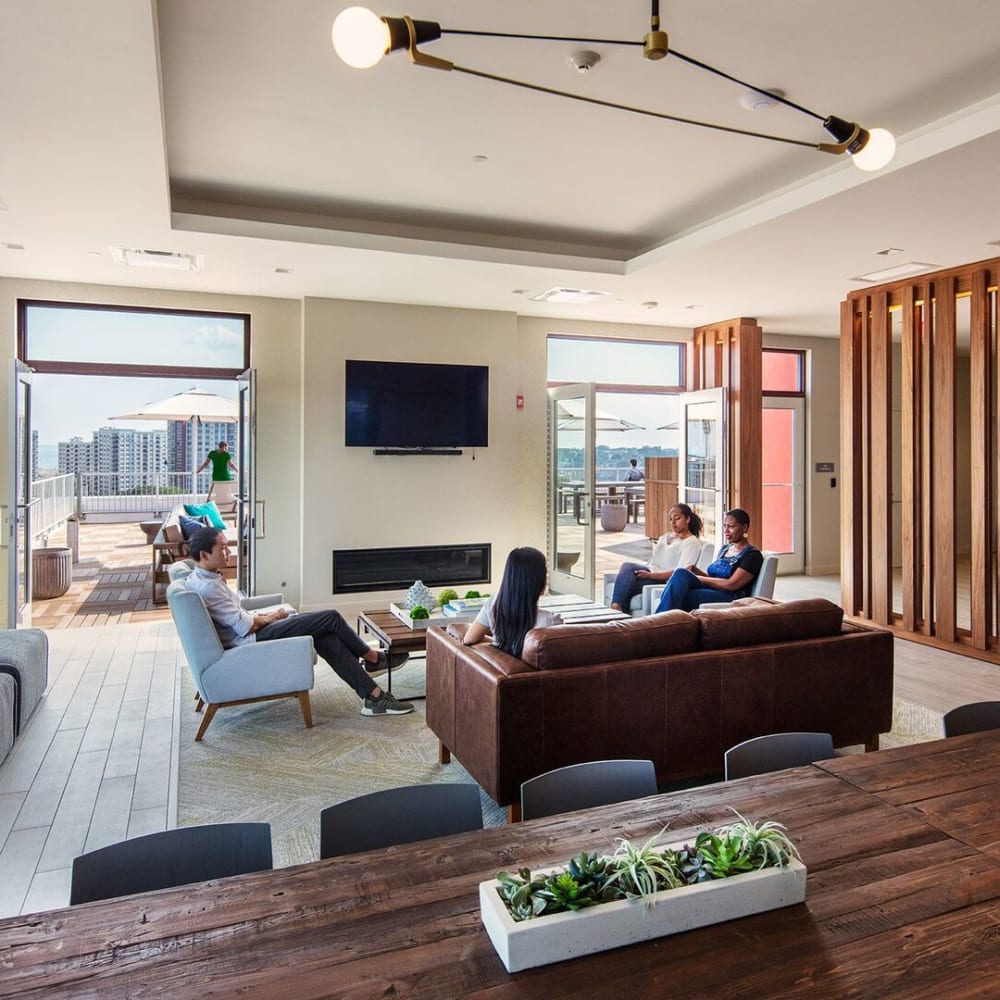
{"points": [[616, 365], [72, 338], [783, 372]]}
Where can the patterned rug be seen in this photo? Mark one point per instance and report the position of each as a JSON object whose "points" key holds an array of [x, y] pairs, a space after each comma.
{"points": [[259, 762]]}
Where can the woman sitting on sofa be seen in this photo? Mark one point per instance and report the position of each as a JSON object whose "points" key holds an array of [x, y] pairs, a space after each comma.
{"points": [[681, 546], [513, 610], [730, 576]]}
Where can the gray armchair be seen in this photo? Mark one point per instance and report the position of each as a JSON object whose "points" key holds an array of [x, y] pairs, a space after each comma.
{"points": [[643, 603], [281, 668]]}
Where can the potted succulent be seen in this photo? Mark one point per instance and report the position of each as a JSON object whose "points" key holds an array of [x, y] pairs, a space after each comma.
{"points": [[640, 892]]}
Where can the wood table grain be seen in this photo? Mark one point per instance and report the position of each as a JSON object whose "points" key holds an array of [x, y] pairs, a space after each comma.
{"points": [[903, 899]]}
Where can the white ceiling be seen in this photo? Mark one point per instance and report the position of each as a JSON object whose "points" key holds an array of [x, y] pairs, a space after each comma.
{"points": [[230, 129]]}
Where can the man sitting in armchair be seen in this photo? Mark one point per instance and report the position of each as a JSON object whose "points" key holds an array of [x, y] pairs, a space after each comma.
{"points": [[351, 658]]}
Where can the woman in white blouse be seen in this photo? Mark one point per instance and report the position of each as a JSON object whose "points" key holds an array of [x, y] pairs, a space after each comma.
{"points": [[681, 546]]}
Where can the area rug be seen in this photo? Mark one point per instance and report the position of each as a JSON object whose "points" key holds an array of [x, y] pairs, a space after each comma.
{"points": [[260, 763]]}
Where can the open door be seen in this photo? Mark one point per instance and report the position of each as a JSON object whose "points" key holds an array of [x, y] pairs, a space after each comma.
{"points": [[20, 501], [572, 431], [250, 522], [701, 474]]}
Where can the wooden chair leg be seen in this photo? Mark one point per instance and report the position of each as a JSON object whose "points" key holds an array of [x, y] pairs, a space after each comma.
{"points": [[872, 745], [210, 711], [198, 703], [306, 707], [444, 754], [514, 813]]}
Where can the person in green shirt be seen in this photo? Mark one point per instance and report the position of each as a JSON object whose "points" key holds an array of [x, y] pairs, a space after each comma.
{"points": [[222, 490], [222, 464]]}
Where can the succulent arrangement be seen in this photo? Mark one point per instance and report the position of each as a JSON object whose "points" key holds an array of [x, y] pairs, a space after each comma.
{"points": [[419, 612], [639, 872], [446, 596]]}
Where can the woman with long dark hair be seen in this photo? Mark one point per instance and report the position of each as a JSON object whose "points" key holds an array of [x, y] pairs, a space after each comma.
{"points": [[513, 610], [730, 576], [681, 546]]}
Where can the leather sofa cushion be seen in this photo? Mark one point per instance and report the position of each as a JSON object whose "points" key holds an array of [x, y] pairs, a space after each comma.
{"points": [[610, 642], [725, 628]]}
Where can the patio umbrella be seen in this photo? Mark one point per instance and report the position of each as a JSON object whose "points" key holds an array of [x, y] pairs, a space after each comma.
{"points": [[195, 406], [569, 417]]}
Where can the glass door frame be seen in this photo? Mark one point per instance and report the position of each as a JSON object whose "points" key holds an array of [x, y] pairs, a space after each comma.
{"points": [[249, 521], [563, 579], [794, 561], [20, 500], [688, 493]]}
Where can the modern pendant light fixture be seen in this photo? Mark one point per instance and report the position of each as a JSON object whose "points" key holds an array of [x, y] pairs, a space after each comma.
{"points": [[361, 38]]}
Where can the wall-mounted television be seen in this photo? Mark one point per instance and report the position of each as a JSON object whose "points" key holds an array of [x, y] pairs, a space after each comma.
{"points": [[391, 404]]}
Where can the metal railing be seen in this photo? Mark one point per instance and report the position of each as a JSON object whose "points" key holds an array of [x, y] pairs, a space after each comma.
{"points": [[54, 502]]}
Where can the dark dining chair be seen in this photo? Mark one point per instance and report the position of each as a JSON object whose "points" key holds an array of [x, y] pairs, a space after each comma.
{"points": [[398, 816], [975, 717], [775, 752], [580, 786], [170, 858]]}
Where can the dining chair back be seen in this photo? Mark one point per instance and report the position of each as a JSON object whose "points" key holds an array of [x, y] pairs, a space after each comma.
{"points": [[580, 786], [169, 858], [776, 752], [398, 816], [972, 718]]}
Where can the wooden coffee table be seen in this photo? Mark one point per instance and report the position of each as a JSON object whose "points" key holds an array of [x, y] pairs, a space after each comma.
{"points": [[395, 637]]}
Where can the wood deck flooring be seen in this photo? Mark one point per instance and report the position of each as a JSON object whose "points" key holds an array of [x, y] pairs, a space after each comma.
{"points": [[111, 582]]}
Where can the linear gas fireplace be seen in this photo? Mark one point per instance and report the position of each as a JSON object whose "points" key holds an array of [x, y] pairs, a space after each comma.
{"points": [[358, 570]]}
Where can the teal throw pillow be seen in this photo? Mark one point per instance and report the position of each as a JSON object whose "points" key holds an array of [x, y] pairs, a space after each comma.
{"points": [[208, 510]]}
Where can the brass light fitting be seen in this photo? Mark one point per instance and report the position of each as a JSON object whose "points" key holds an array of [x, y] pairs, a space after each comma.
{"points": [[361, 38]]}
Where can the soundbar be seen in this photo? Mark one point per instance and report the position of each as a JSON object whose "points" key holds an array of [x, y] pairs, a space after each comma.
{"points": [[417, 451]]}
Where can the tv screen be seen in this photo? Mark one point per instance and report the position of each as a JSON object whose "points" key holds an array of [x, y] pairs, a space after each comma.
{"points": [[392, 404]]}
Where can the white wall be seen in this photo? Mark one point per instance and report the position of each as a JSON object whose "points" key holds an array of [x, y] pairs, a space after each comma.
{"points": [[822, 445]]}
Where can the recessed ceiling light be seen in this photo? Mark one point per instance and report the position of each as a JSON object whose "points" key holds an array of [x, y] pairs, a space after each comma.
{"points": [[166, 259], [12, 246], [899, 271], [94, 253], [651, 304], [993, 243], [694, 305], [520, 291], [284, 270], [480, 158], [888, 252], [570, 296]]}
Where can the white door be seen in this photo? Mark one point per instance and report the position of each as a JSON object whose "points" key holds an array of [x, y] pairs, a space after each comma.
{"points": [[572, 436], [701, 474], [249, 520], [783, 456], [20, 501]]}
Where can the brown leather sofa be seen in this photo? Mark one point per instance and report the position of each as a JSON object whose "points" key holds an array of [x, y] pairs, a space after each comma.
{"points": [[676, 688]]}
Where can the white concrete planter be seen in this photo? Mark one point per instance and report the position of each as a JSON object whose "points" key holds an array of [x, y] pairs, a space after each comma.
{"points": [[553, 938]]}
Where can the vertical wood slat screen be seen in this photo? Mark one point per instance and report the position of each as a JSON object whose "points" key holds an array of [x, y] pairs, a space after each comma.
{"points": [[729, 354], [931, 355]]}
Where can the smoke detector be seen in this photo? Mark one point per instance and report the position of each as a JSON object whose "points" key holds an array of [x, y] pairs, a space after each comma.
{"points": [[583, 60], [761, 100]]}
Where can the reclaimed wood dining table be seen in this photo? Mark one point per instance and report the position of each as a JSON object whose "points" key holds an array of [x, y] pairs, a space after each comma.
{"points": [[903, 900]]}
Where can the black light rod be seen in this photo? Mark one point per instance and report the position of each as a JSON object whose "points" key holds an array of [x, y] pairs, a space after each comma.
{"points": [[539, 38], [626, 107]]}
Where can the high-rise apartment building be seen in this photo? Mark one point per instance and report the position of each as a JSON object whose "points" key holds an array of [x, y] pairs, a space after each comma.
{"points": [[116, 460], [203, 436]]}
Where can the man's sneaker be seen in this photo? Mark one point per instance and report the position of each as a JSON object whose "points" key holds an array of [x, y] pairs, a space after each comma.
{"points": [[385, 662], [385, 704]]}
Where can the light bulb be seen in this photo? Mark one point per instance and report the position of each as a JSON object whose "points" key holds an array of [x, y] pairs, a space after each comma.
{"points": [[878, 151], [360, 37]]}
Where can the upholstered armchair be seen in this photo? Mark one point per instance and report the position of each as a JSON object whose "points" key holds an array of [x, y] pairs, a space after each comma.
{"points": [[281, 668], [643, 603]]}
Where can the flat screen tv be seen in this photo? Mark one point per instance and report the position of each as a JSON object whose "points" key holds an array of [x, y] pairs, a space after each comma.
{"points": [[392, 404]]}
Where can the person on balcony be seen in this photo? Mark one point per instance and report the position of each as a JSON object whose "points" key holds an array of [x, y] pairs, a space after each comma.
{"points": [[633, 474], [681, 546]]}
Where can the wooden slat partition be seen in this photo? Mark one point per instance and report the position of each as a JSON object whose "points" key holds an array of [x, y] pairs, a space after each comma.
{"points": [[729, 354], [935, 344]]}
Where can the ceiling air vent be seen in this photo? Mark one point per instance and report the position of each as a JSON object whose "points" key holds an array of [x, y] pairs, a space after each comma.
{"points": [[572, 296], [165, 259]]}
